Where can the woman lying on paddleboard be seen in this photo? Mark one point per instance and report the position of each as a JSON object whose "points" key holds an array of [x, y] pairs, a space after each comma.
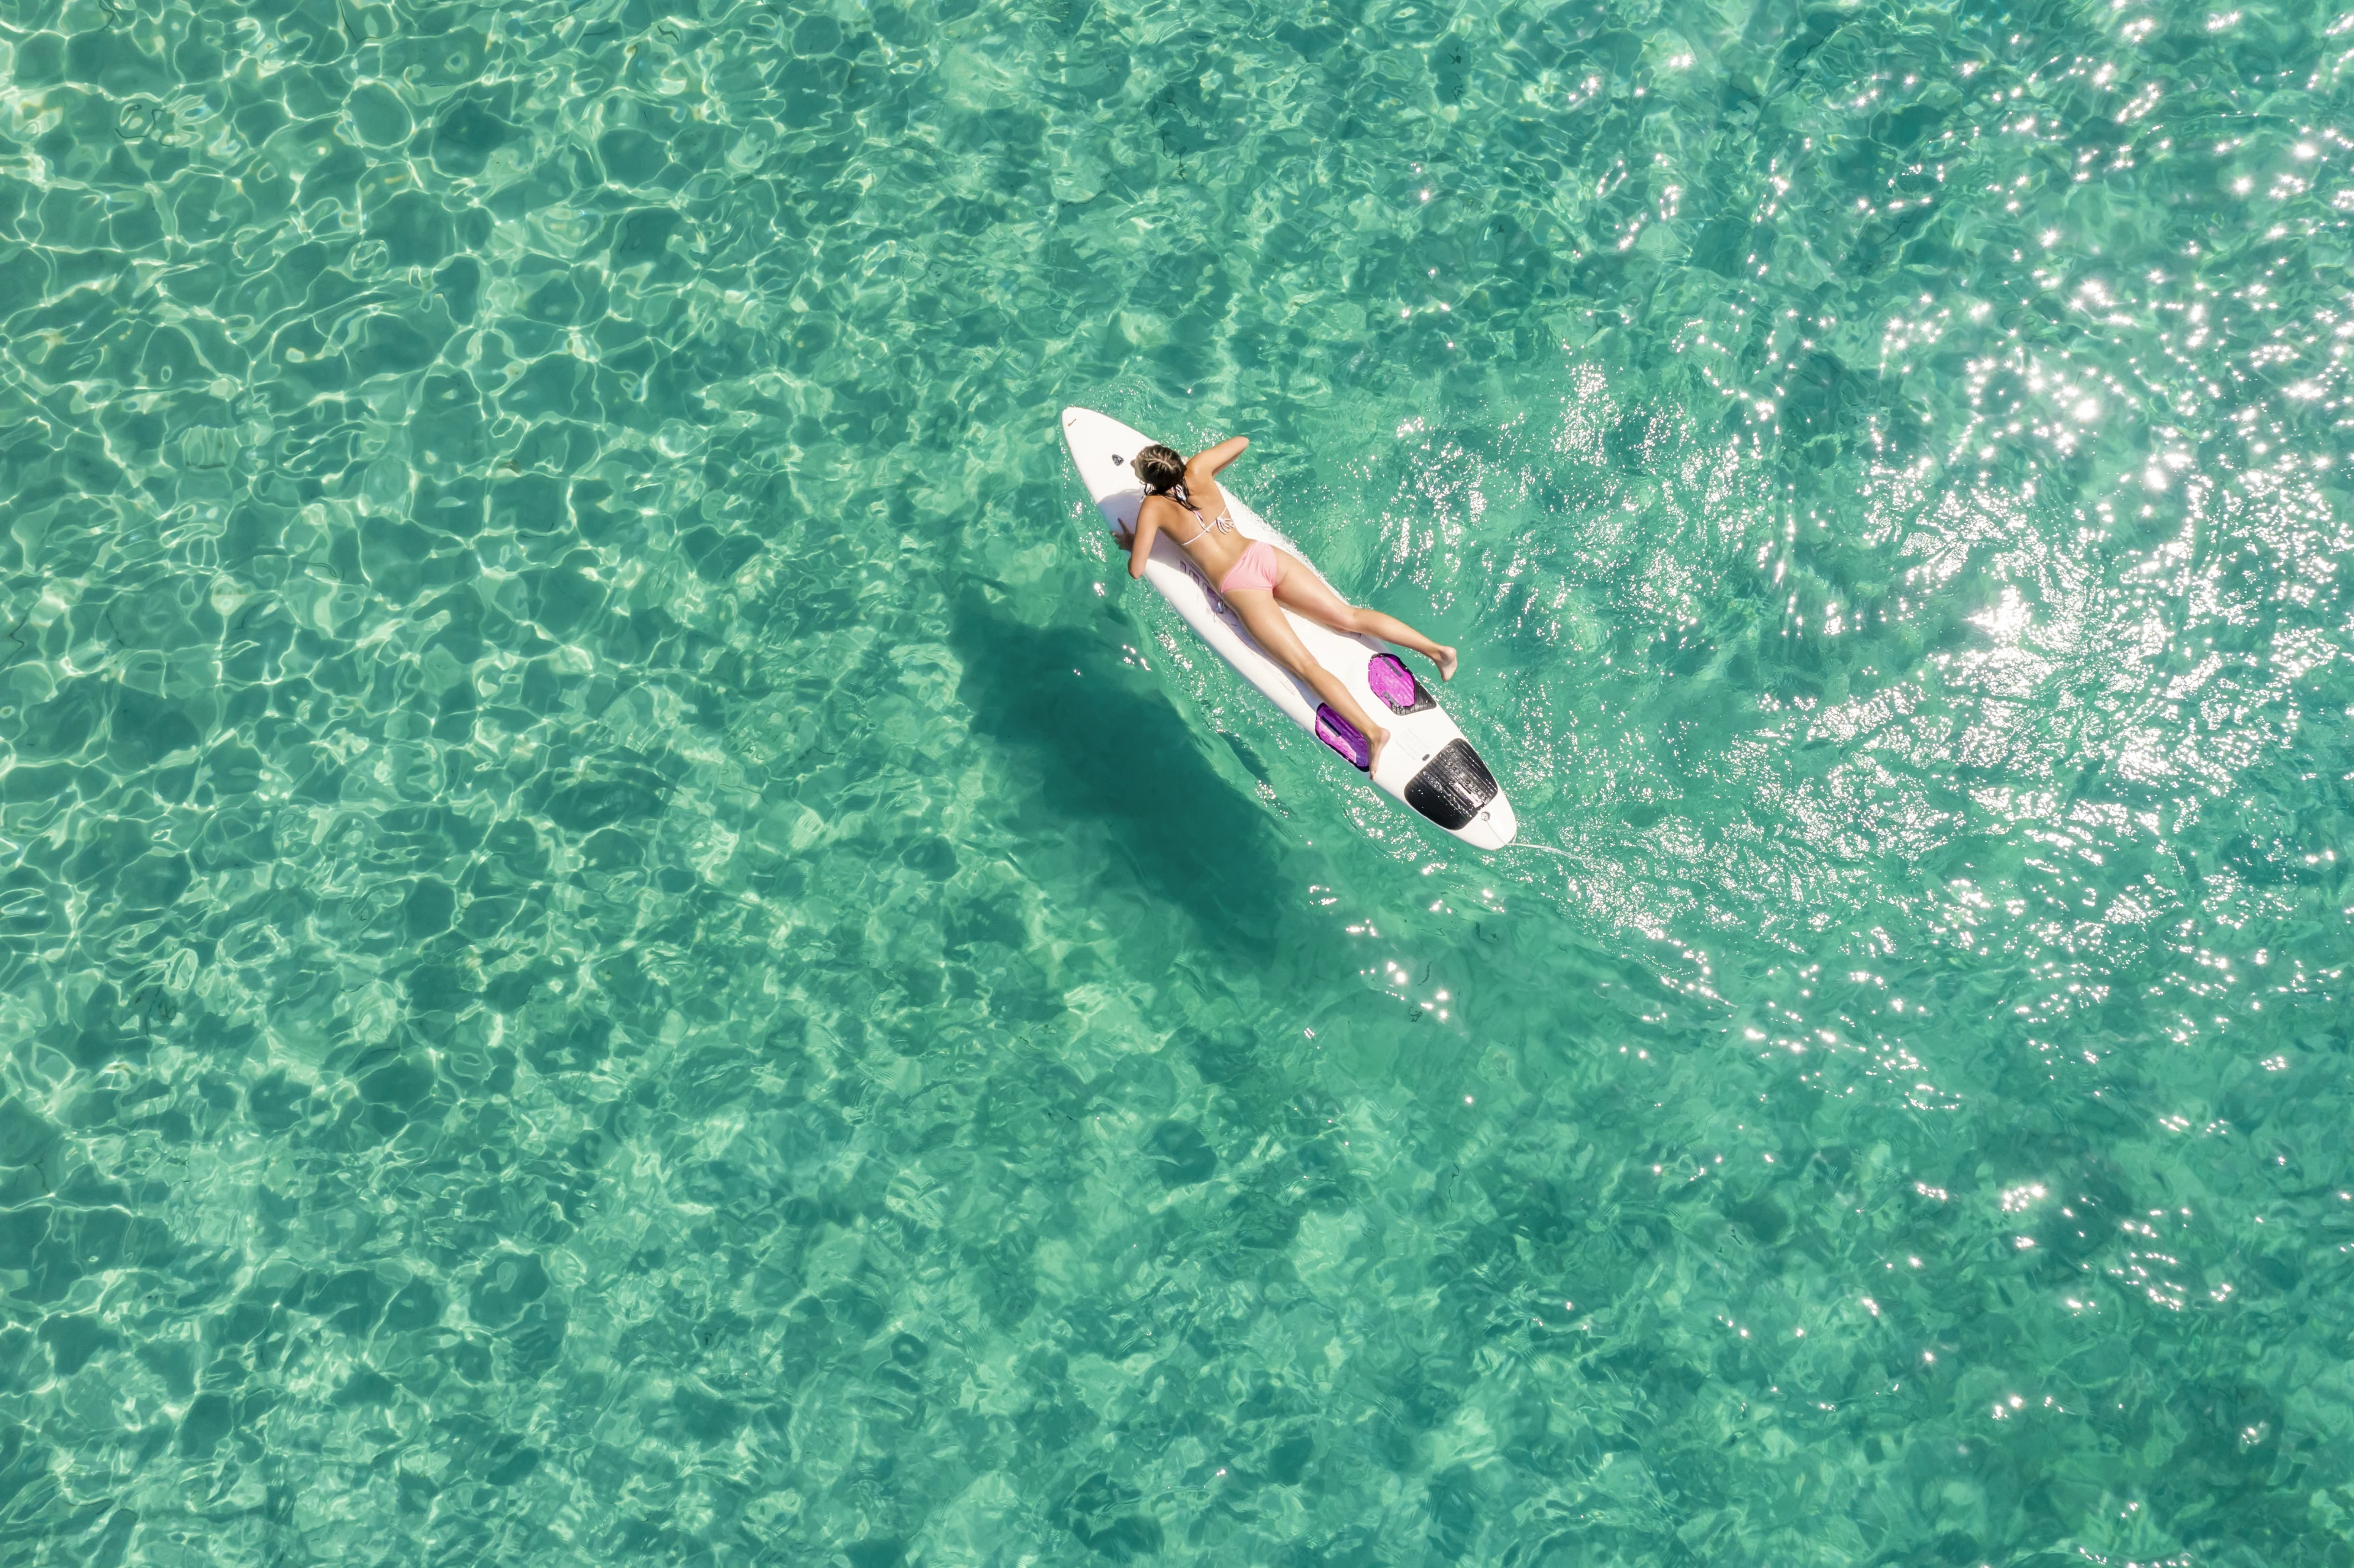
{"points": [[1182, 497]]}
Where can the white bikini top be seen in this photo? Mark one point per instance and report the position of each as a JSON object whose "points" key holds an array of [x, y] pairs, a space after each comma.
{"points": [[1224, 525]]}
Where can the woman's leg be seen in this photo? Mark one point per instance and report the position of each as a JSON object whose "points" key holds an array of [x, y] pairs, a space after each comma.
{"points": [[1264, 620], [1303, 591]]}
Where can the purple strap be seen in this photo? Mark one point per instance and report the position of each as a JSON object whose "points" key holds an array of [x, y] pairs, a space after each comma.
{"points": [[1391, 681], [1341, 737]]}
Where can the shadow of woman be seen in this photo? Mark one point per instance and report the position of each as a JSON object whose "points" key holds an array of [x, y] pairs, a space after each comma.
{"points": [[1110, 758]]}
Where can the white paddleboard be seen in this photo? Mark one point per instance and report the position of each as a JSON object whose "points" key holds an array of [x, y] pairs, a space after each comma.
{"points": [[1427, 764]]}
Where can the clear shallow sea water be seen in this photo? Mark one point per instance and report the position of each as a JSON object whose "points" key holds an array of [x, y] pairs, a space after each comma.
{"points": [[619, 941]]}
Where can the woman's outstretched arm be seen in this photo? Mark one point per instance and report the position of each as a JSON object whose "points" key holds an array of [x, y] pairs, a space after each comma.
{"points": [[1218, 457]]}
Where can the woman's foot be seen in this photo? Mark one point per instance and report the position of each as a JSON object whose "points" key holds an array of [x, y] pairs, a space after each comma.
{"points": [[1374, 740], [1445, 660]]}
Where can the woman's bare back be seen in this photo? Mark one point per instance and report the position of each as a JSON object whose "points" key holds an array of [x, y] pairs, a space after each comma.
{"points": [[1201, 523]]}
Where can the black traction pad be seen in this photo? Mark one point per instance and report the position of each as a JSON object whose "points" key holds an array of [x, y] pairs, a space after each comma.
{"points": [[1452, 786]]}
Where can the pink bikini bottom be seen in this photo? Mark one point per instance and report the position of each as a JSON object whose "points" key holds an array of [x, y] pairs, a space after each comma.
{"points": [[1261, 568]]}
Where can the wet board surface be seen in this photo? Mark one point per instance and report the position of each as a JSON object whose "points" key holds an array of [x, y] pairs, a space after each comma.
{"points": [[1428, 766]]}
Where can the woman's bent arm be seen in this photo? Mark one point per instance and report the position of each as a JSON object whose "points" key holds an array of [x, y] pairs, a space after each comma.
{"points": [[1140, 544]]}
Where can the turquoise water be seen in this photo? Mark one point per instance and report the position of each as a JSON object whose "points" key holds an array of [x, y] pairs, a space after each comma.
{"points": [[621, 941]]}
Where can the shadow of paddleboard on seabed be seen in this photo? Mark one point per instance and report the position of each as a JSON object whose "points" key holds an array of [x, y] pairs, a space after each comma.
{"points": [[1106, 747]]}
